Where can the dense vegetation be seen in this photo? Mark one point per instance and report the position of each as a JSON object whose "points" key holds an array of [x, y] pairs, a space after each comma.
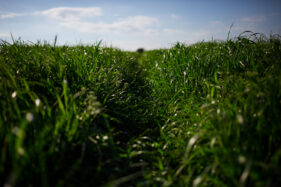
{"points": [[202, 115]]}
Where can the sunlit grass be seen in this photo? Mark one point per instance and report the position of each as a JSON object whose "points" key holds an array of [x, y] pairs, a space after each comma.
{"points": [[200, 115]]}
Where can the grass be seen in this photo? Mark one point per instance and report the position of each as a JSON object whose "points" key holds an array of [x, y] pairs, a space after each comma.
{"points": [[201, 115]]}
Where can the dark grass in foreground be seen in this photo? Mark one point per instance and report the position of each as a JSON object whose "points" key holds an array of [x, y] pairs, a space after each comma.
{"points": [[202, 115]]}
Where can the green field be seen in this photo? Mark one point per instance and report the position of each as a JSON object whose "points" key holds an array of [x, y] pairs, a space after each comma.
{"points": [[208, 114]]}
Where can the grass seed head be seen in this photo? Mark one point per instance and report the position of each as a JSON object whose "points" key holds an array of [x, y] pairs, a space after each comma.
{"points": [[14, 94], [29, 117], [37, 102]]}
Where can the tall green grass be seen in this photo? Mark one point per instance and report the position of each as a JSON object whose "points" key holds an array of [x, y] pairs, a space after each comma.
{"points": [[200, 115]]}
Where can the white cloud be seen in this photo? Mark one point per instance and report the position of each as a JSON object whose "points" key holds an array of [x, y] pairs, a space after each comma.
{"points": [[174, 16], [61, 13], [74, 18], [11, 15], [127, 32], [4, 35], [216, 22], [132, 24], [199, 35], [173, 31], [252, 23], [72, 14], [253, 19]]}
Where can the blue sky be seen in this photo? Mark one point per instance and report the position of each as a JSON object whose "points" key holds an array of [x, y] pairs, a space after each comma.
{"points": [[130, 24]]}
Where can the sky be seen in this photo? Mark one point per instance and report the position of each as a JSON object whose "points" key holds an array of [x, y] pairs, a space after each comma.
{"points": [[132, 24]]}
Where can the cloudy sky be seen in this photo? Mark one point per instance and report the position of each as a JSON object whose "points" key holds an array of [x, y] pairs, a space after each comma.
{"points": [[130, 24]]}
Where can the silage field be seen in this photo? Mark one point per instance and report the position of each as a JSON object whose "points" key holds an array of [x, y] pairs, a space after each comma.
{"points": [[208, 114]]}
